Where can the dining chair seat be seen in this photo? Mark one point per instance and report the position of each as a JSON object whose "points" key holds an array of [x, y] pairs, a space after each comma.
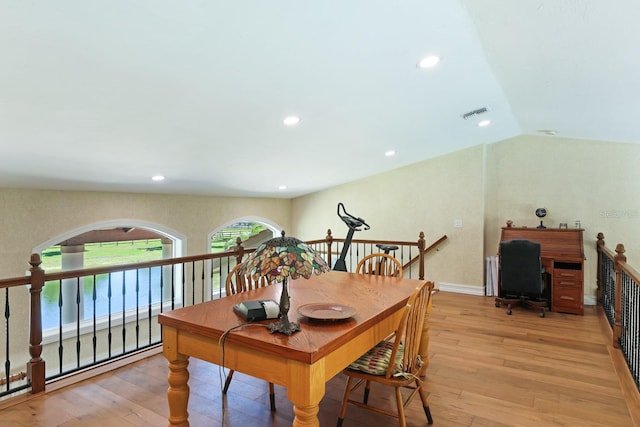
{"points": [[394, 362]]}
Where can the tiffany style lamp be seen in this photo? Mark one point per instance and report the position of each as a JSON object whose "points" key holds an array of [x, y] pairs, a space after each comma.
{"points": [[278, 260]]}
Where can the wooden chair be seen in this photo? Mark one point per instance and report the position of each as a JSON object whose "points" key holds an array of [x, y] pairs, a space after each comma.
{"points": [[380, 264], [237, 282], [403, 348]]}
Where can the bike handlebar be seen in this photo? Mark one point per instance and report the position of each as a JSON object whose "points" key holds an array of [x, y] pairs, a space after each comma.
{"points": [[352, 222]]}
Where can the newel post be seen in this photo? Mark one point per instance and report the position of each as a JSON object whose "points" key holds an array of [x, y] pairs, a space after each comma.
{"points": [[617, 327], [239, 250], [329, 240], [599, 247], [421, 247], [36, 366]]}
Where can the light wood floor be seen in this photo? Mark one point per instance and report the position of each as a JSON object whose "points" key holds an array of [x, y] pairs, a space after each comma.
{"points": [[486, 369]]}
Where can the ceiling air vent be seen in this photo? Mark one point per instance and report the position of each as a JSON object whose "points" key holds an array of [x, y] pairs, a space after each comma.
{"points": [[474, 113]]}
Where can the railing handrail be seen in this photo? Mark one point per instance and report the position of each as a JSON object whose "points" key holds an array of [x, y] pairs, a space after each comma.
{"points": [[67, 274], [629, 270], [80, 272], [15, 281], [621, 318], [431, 247], [37, 278]]}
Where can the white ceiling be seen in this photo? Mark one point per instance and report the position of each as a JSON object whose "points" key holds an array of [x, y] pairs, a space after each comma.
{"points": [[101, 95]]}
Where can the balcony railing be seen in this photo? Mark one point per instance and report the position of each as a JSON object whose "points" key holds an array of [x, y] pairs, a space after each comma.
{"points": [[111, 312], [619, 295]]}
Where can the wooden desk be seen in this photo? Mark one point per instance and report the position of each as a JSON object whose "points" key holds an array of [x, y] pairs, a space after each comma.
{"points": [[562, 253], [302, 362]]}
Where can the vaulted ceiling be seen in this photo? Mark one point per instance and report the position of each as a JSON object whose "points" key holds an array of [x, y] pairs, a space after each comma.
{"points": [[103, 95]]}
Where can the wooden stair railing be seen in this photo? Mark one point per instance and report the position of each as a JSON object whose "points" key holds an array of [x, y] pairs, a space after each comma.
{"points": [[618, 293], [420, 244]]}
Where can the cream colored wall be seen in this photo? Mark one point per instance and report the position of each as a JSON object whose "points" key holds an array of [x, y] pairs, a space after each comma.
{"points": [[31, 217], [595, 182], [427, 197]]}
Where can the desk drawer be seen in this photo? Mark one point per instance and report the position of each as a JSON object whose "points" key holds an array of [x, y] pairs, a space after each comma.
{"points": [[566, 283], [561, 275], [568, 299]]}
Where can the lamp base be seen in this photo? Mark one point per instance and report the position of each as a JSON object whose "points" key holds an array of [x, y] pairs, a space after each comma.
{"points": [[284, 326]]}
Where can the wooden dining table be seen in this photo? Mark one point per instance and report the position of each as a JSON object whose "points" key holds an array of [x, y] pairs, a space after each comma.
{"points": [[302, 362]]}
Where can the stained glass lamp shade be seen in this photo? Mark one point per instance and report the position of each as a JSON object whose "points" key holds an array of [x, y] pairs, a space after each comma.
{"points": [[278, 260]]}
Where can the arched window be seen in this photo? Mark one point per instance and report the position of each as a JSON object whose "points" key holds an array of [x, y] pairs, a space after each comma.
{"points": [[251, 230]]}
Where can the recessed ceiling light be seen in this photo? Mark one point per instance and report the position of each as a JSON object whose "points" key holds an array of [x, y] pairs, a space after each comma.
{"points": [[390, 153], [483, 123], [549, 132], [158, 178], [282, 187], [429, 61], [291, 120]]}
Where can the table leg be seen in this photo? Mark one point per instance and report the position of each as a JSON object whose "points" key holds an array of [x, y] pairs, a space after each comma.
{"points": [[306, 416], [305, 390], [178, 392]]}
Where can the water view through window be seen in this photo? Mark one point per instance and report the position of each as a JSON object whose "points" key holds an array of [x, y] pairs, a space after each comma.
{"points": [[119, 293], [114, 293]]}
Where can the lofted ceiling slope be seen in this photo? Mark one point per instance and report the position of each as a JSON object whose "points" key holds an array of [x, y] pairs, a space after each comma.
{"points": [[102, 96]]}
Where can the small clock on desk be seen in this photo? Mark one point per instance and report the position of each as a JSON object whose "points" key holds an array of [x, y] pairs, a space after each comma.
{"points": [[541, 213]]}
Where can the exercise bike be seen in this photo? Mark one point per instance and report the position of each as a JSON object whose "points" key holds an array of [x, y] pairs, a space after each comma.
{"points": [[354, 224]]}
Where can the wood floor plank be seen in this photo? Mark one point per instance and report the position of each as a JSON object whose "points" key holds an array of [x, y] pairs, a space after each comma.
{"points": [[487, 369]]}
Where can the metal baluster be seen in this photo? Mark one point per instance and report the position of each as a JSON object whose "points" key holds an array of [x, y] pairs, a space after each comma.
{"points": [[624, 311], [94, 298], [150, 301], [609, 291], [193, 283], [124, 310], [636, 307], [162, 286], [60, 345], [202, 277], [7, 361], [109, 297], [138, 306], [173, 286], [184, 284], [78, 299]]}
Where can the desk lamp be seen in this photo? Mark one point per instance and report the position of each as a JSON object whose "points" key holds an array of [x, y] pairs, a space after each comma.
{"points": [[278, 260]]}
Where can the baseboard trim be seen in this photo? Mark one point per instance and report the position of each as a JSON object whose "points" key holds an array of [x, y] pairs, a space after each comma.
{"points": [[461, 289], [479, 291]]}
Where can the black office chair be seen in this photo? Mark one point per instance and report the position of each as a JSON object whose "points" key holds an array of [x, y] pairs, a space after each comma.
{"points": [[521, 276]]}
